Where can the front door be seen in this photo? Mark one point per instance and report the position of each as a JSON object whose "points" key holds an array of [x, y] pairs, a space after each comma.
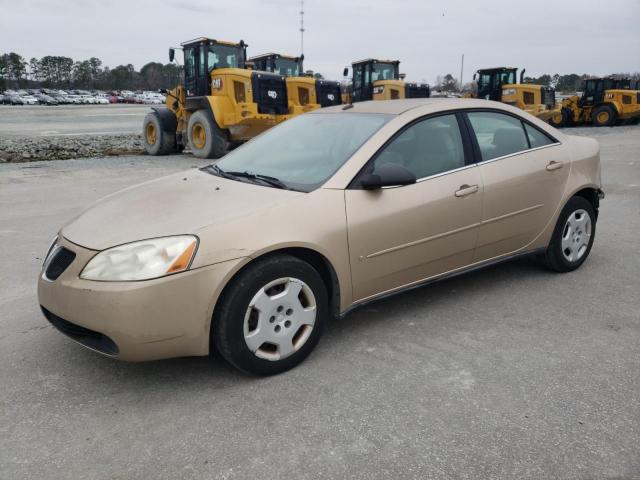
{"points": [[523, 183], [401, 235]]}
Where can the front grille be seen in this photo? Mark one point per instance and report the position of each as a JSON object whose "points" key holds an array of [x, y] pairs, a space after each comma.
{"points": [[548, 96], [417, 90], [270, 93], [61, 259], [328, 93], [88, 338]]}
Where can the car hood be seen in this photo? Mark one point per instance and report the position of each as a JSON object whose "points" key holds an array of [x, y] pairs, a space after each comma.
{"points": [[182, 203]]}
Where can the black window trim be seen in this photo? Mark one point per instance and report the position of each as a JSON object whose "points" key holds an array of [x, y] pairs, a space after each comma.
{"points": [[523, 121], [465, 135]]}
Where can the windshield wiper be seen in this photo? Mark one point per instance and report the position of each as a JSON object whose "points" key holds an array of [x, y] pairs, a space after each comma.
{"points": [[216, 170], [273, 181]]}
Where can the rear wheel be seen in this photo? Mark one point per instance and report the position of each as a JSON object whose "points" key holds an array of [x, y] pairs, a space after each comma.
{"points": [[206, 138], [604, 116], [573, 236], [156, 140], [272, 315]]}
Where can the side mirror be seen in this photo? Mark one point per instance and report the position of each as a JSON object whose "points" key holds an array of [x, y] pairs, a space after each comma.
{"points": [[474, 76], [345, 72], [388, 175], [402, 76], [172, 54]]}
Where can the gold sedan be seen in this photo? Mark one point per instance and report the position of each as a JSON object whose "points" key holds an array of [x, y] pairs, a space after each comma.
{"points": [[251, 255]]}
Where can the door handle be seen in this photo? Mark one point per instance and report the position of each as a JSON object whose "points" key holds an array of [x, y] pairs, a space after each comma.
{"points": [[553, 165], [466, 190]]}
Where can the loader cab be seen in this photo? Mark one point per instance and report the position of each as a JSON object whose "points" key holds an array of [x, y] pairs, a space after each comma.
{"points": [[366, 72], [281, 64], [594, 89], [491, 80], [202, 56]]}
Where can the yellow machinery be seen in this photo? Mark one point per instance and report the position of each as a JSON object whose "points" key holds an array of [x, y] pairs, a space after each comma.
{"points": [[380, 80], [500, 84], [304, 92], [221, 103], [604, 102]]}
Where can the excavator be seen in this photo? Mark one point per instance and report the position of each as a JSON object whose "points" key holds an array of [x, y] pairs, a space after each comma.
{"points": [[374, 79], [500, 84], [220, 104], [604, 102], [304, 92]]}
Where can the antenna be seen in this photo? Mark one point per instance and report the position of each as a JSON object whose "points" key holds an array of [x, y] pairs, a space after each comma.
{"points": [[301, 27]]}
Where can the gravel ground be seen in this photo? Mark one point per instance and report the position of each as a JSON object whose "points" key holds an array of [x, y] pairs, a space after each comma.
{"points": [[511, 372], [29, 149], [31, 133]]}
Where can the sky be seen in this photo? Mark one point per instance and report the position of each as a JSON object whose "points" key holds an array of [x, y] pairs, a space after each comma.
{"points": [[427, 36]]}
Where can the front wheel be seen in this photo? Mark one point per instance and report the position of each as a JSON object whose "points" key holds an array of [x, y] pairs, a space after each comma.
{"points": [[272, 315], [573, 236], [206, 138]]}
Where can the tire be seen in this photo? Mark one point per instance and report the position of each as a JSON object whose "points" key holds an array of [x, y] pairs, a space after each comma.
{"points": [[206, 138], [156, 140], [290, 333], [561, 120], [570, 246], [604, 116]]}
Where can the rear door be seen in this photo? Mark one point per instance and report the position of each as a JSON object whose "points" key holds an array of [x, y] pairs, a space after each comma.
{"points": [[401, 235], [524, 172]]}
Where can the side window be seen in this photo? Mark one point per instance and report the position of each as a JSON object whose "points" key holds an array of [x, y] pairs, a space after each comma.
{"points": [[536, 137], [498, 134], [426, 148], [202, 71]]}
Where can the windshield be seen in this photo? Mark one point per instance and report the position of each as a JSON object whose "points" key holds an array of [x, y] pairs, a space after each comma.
{"points": [[287, 67], [306, 151], [223, 56], [383, 71]]}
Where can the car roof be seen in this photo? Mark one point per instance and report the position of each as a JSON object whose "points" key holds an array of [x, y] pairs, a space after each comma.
{"points": [[400, 106]]}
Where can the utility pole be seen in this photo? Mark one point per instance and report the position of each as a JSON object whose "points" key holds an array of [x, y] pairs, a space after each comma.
{"points": [[461, 71], [301, 27]]}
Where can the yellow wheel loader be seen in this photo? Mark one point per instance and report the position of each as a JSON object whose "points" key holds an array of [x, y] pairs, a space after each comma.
{"points": [[500, 84], [604, 102], [220, 104], [304, 92], [380, 80]]}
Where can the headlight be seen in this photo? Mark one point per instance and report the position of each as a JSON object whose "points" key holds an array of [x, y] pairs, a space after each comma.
{"points": [[509, 91], [142, 260], [377, 90]]}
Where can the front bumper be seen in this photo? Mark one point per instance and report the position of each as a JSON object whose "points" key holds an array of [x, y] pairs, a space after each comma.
{"points": [[135, 321]]}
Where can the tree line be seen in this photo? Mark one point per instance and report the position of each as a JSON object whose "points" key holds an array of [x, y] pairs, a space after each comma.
{"points": [[63, 72]]}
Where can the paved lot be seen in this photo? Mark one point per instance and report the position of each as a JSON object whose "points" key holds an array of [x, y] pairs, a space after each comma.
{"points": [[70, 120], [512, 372]]}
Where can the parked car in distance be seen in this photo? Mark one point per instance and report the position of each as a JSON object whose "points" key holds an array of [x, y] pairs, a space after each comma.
{"points": [[14, 99], [29, 99], [319, 215]]}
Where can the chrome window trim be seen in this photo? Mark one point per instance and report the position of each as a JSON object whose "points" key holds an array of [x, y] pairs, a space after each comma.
{"points": [[54, 252], [519, 153]]}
